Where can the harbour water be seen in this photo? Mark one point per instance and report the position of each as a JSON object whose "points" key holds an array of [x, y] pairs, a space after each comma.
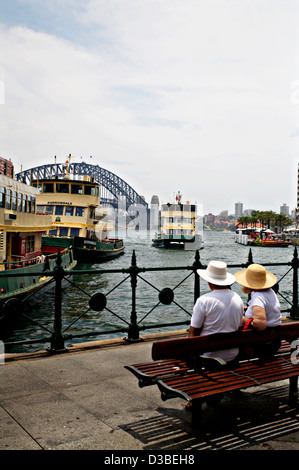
{"points": [[117, 288]]}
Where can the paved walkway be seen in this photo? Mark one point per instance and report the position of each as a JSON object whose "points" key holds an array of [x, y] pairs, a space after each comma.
{"points": [[85, 399]]}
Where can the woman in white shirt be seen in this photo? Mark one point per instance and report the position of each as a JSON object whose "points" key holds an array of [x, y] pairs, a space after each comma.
{"points": [[263, 307]]}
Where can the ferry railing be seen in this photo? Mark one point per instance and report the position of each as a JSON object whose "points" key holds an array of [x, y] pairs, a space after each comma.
{"points": [[98, 301]]}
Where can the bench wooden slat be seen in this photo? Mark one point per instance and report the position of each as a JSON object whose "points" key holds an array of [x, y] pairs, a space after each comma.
{"points": [[148, 372], [197, 386]]}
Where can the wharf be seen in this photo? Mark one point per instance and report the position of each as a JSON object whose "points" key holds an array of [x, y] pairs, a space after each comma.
{"points": [[84, 399]]}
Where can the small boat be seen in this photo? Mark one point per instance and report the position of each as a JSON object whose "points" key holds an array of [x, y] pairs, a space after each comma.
{"points": [[86, 250], [20, 241], [80, 223], [30, 276], [260, 237], [178, 226], [268, 242]]}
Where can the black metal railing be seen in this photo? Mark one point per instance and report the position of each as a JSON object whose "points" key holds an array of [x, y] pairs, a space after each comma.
{"points": [[58, 335]]}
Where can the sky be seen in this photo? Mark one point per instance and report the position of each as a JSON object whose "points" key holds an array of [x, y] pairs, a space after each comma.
{"points": [[196, 96]]}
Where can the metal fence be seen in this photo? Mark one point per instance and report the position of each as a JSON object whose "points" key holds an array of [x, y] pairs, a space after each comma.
{"points": [[57, 335]]}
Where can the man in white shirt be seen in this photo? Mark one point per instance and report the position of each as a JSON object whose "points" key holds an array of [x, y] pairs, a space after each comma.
{"points": [[218, 311]]}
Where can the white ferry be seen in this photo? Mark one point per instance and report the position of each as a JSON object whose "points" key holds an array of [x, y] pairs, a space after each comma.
{"points": [[178, 226]]}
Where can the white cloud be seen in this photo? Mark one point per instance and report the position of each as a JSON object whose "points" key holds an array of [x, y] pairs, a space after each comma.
{"points": [[181, 94]]}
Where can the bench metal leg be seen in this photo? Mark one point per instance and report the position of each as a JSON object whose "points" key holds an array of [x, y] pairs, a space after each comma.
{"points": [[293, 391], [196, 410]]}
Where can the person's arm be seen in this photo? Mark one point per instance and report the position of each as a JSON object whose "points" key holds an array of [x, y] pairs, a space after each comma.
{"points": [[194, 331], [259, 320]]}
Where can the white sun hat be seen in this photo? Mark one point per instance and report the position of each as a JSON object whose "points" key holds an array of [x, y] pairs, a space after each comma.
{"points": [[216, 273]]}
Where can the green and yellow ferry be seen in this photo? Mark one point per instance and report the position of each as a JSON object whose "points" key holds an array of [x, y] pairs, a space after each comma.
{"points": [[178, 226], [20, 243], [73, 202]]}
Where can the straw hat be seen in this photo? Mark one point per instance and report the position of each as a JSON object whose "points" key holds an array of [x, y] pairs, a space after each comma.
{"points": [[256, 277], [216, 273]]}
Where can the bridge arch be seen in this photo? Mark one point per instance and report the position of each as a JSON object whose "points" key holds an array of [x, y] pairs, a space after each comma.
{"points": [[112, 186]]}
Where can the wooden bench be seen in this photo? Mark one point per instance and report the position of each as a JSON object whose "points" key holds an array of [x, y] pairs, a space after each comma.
{"points": [[180, 369]]}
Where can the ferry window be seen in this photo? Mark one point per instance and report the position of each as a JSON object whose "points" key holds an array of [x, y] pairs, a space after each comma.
{"points": [[8, 199], [59, 210], [2, 196], [48, 188], [20, 198], [76, 189], [40, 187], [29, 244], [33, 205], [53, 232], [92, 213], [69, 210], [24, 207], [62, 187], [74, 232], [64, 231], [91, 190], [40, 209], [29, 204], [14, 201], [49, 209], [79, 211]]}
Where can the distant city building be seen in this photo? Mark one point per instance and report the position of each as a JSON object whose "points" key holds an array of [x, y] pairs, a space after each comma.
{"points": [[155, 200], [247, 212], [154, 213], [284, 209], [223, 215], [6, 167], [209, 218], [238, 210]]}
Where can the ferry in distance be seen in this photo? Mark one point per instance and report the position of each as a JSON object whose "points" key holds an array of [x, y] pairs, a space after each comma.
{"points": [[178, 226]]}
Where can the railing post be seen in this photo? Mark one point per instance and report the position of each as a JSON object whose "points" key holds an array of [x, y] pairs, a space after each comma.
{"points": [[250, 259], [294, 313], [197, 265], [133, 330], [57, 340]]}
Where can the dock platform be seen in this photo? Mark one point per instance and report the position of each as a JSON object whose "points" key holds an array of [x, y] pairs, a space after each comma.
{"points": [[84, 399]]}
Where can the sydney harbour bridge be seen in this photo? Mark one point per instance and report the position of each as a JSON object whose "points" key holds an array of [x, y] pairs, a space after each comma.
{"points": [[113, 188]]}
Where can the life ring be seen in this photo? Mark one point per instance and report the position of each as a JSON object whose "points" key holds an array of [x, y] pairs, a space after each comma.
{"points": [[38, 259]]}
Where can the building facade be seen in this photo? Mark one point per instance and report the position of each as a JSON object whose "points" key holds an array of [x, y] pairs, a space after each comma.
{"points": [[238, 210]]}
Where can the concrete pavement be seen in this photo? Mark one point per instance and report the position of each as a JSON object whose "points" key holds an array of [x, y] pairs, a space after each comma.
{"points": [[84, 399]]}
